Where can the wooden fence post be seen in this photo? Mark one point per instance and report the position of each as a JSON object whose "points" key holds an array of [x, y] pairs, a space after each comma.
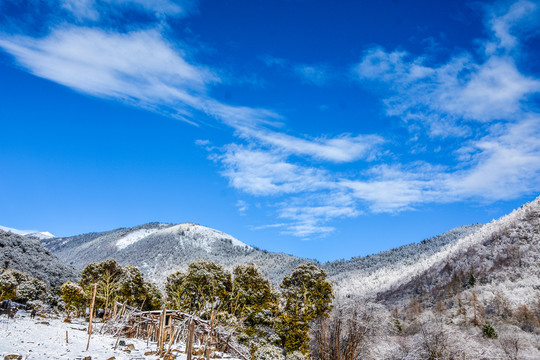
{"points": [[189, 342], [91, 316]]}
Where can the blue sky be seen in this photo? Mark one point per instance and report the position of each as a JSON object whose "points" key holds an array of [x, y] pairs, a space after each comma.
{"points": [[317, 128]]}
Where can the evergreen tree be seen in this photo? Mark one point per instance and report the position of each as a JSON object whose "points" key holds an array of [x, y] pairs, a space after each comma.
{"points": [[131, 287], [174, 290], [307, 295], [30, 290], [253, 298], [206, 287], [73, 296], [8, 285], [154, 299], [106, 274]]}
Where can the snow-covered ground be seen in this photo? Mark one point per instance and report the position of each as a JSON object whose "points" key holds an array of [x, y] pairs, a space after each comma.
{"points": [[45, 338]]}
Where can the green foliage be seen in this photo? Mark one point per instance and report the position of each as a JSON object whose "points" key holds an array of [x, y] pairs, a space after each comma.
{"points": [[398, 326], [308, 295], [73, 296], [293, 331], [253, 298], [174, 290], [204, 287], [489, 331], [131, 287], [8, 285], [154, 298], [472, 281], [106, 274], [119, 284], [19, 286]]}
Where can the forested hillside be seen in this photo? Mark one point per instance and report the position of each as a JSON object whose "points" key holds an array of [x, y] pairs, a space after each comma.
{"points": [[30, 256]]}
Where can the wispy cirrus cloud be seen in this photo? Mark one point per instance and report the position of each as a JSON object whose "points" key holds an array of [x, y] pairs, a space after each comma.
{"points": [[480, 99]]}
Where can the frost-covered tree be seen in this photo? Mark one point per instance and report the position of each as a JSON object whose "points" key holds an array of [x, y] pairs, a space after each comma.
{"points": [[19, 286], [73, 296], [351, 330], [154, 298], [174, 290], [106, 274], [30, 290], [253, 298], [8, 285], [131, 287], [307, 295], [205, 287]]}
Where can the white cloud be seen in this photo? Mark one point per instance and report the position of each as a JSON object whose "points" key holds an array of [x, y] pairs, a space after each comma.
{"points": [[482, 101], [503, 23], [242, 207], [458, 89], [314, 74], [138, 67], [81, 9], [344, 148], [261, 172], [90, 9]]}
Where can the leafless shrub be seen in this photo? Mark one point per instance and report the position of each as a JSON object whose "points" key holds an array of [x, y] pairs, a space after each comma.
{"points": [[349, 332]]}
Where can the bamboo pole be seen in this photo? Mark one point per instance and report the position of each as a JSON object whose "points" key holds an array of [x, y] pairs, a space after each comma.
{"points": [[161, 335], [209, 337], [121, 327], [189, 342], [173, 334], [91, 316]]}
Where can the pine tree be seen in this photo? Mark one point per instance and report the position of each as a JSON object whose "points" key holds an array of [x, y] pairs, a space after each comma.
{"points": [[8, 285], [204, 288], [73, 296], [253, 297], [131, 287], [307, 295]]}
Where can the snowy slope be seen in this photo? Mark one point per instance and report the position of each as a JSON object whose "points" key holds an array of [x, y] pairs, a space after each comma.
{"points": [[28, 233], [502, 255], [29, 255], [160, 249], [45, 339]]}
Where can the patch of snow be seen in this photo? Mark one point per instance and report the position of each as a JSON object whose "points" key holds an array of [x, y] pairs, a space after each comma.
{"points": [[369, 284], [33, 233], [133, 237], [33, 339], [205, 236]]}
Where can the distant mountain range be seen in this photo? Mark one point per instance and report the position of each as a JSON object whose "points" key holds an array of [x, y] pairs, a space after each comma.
{"points": [[160, 249], [504, 253]]}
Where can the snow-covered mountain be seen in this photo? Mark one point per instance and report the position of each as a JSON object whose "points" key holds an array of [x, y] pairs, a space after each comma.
{"points": [[160, 249], [502, 256], [28, 233], [29, 255]]}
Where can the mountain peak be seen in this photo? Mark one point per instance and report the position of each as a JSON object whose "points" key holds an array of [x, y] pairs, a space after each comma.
{"points": [[28, 233]]}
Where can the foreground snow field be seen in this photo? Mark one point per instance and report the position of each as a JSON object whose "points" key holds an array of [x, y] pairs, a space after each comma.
{"points": [[41, 339]]}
